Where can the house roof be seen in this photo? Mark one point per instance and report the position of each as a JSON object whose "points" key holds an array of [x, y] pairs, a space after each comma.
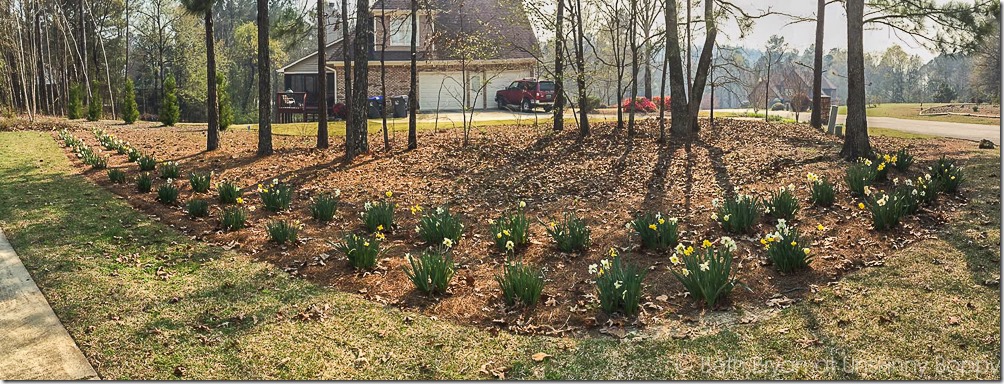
{"points": [[475, 29]]}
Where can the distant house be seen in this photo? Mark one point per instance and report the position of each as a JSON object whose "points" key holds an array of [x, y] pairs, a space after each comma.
{"points": [[467, 49], [786, 83]]}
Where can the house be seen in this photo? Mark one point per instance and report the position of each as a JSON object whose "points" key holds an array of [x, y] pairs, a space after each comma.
{"points": [[792, 87], [466, 50]]}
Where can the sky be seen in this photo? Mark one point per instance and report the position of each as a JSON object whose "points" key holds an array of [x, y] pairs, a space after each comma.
{"points": [[802, 35]]}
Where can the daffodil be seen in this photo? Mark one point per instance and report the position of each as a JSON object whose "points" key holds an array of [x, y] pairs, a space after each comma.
{"points": [[652, 227], [509, 245], [705, 266], [706, 243], [498, 235], [685, 272], [861, 205], [688, 251], [592, 269], [675, 260], [506, 232], [820, 227], [618, 284], [380, 236], [389, 194], [794, 244], [726, 217], [806, 250], [380, 228], [613, 252], [522, 204], [448, 243], [240, 200], [662, 221]]}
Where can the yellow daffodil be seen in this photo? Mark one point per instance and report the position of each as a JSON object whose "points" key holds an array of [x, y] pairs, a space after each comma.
{"points": [[380, 228], [498, 235], [506, 232], [389, 194], [793, 244], [240, 200], [763, 241], [820, 227], [806, 250], [861, 205], [652, 227], [706, 243], [366, 243], [380, 236], [613, 252], [522, 204], [688, 251], [685, 272], [662, 221]]}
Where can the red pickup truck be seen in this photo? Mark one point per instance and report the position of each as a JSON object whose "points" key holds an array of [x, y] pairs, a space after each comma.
{"points": [[528, 94]]}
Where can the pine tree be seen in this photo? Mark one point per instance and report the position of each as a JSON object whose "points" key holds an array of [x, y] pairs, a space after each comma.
{"points": [[75, 105], [95, 106], [226, 107], [130, 110], [169, 110]]}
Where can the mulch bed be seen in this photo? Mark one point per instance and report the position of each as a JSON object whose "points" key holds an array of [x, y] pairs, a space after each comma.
{"points": [[605, 178]]}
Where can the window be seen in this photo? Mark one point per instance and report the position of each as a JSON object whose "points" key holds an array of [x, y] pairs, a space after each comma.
{"points": [[400, 31]]}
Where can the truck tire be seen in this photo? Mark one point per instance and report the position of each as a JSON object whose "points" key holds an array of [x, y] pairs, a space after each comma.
{"points": [[526, 106], [501, 103]]}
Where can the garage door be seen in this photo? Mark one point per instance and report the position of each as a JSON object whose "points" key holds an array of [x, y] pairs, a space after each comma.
{"points": [[498, 80], [440, 90]]}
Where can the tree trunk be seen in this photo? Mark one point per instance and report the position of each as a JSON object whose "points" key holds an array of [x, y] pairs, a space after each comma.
{"points": [[559, 70], [360, 71], [264, 82], [580, 75], [322, 79], [347, 81], [662, 85], [856, 127], [817, 67], [677, 88], [213, 130], [634, 65], [413, 81], [703, 65], [383, 74]]}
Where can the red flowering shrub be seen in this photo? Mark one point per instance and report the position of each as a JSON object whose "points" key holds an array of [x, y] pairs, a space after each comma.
{"points": [[639, 104], [664, 100]]}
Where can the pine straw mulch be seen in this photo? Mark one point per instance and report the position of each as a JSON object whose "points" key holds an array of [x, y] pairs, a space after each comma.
{"points": [[605, 178]]}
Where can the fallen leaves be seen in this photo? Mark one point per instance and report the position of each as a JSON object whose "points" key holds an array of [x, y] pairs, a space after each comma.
{"points": [[539, 356]]}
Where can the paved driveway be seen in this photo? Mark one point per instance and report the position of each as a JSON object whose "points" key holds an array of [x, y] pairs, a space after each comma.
{"points": [[975, 132]]}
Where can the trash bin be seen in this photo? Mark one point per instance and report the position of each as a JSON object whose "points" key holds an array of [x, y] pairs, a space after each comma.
{"points": [[400, 104], [375, 107]]}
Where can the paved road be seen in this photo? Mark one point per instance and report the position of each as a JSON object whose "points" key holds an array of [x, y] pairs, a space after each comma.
{"points": [[33, 343], [965, 131]]}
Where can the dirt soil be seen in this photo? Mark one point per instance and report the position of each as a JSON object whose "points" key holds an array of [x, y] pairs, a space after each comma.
{"points": [[605, 178]]}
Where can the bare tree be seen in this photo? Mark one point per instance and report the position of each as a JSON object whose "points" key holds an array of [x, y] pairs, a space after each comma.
{"points": [[322, 77], [264, 82]]}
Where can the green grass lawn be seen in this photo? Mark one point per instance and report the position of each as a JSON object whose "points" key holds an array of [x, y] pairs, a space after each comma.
{"points": [[144, 301], [911, 111]]}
